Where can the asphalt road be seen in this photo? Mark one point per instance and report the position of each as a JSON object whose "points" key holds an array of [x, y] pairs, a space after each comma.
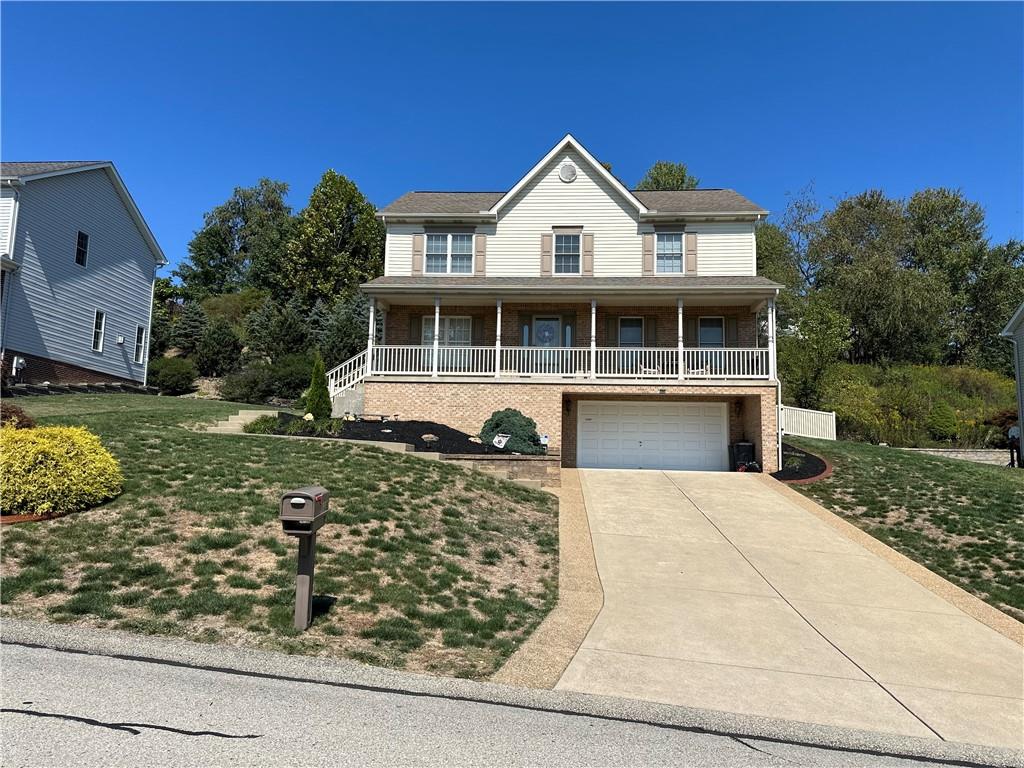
{"points": [[61, 709]]}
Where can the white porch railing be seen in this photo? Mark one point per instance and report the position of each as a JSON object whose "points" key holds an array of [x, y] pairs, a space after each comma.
{"points": [[804, 422], [572, 362], [351, 372]]}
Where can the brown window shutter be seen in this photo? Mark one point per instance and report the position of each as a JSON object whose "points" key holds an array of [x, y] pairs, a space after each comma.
{"points": [[650, 330], [648, 239], [545, 254], [691, 253], [415, 329], [476, 331], [417, 254], [732, 332], [612, 326], [588, 254], [480, 247], [690, 332]]}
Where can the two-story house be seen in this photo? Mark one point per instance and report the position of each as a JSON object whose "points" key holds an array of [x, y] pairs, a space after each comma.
{"points": [[631, 325], [78, 264]]}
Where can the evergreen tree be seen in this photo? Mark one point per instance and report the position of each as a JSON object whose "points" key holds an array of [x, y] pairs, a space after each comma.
{"points": [[345, 334], [318, 401], [189, 327], [259, 329], [317, 321], [219, 350]]}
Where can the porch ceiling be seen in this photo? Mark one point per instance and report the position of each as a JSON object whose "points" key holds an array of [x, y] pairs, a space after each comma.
{"points": [[632, 291]]}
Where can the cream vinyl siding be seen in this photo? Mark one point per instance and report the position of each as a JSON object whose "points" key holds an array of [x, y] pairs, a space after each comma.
{"points": [[398, 249], [546, 202], [725, 248], [53, 301], [6, 218]]}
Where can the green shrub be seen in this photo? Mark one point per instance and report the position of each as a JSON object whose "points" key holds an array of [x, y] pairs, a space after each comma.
{"points": [[55, 470], [252, 384], [292, 374], [172, 375], [318, 401], [942, 422], [264, 425], [13, 416], [220, 350], [188, 327], [521, 429]]}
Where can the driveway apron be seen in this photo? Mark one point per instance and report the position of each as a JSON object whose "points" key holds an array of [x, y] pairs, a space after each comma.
{"points": [[722, 594]]}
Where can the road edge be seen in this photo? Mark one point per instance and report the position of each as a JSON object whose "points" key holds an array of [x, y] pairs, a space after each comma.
{"points": [[349, 674]]}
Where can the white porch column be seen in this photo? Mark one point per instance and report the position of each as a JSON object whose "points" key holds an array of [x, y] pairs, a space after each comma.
{"points": [[772, 365], [593, 338], [497, 342], [679, 336], [370, 336], [437, 333]]}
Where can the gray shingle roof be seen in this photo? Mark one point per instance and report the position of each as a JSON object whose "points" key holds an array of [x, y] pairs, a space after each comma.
{"points": [[681, 201], [17, 170], [554, 284]]}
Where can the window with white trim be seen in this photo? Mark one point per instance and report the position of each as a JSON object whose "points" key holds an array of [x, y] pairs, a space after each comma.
{"points": [[567, 254], [711, 331], [669, 253], [82, 249], [98, 324], [449, 254], [456, 331], [140, 344]]}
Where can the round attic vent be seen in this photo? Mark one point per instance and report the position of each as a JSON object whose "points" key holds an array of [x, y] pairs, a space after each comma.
{"points": [[567, 172]]}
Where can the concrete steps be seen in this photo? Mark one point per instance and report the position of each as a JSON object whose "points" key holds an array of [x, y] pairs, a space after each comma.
{"points": [[234, 424]]}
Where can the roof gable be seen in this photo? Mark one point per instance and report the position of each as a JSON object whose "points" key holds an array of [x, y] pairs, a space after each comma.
{"points": [[28, 172], [1015, 322], [566, 144]]}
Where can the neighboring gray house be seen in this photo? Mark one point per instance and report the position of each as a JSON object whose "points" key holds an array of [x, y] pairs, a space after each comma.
{"points": [[1014, 331], [78, 264]]}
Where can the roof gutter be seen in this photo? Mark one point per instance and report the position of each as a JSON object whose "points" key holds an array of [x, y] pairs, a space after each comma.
{"points": [[551, 290]]}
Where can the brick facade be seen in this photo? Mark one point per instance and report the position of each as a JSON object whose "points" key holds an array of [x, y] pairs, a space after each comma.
{"points": [[466, 405], [41, 369]]}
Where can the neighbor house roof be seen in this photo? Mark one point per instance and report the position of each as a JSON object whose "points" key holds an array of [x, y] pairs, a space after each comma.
{"points": [[20, 170], [570, 284], [683, 201], [20, 173]]}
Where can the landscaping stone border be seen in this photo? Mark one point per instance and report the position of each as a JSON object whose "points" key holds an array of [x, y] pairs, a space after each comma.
{"points": [[808, 480], [542, 658], [545, 469], [974, 607]]}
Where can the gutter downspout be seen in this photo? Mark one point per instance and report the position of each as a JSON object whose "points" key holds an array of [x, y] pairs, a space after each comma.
{"points": [[1018, 372]]}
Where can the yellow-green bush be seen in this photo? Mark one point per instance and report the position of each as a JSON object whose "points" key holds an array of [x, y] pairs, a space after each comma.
{"points": [[55, 470]]}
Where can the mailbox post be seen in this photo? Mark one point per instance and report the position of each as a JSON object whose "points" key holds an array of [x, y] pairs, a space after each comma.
{"points": [[303, 513]]}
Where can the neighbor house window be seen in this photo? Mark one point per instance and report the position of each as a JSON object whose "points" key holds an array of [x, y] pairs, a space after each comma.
{"points": [[631, 331], [449, 254], [98, 324], [711, 331], [567, 254], [455, 331], [140, 344], [82, 249], [670, 252]]}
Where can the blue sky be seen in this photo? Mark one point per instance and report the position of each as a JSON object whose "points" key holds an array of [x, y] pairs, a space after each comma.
{"points": [[191, 100]]}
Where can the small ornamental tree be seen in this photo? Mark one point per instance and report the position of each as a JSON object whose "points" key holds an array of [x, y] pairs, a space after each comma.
{"points": [[219, 350], [522, 431], [942, 422], [318, 401]]}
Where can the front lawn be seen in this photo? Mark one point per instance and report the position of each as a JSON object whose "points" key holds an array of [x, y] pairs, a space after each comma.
{"points": [[422, 565], [963, 521]]}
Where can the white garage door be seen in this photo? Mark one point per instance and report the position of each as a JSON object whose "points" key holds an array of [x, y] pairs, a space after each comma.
{"points": [[640, 435]]}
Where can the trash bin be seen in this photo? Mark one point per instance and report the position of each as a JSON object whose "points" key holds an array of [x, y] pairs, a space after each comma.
{"points": [[740, 454]]}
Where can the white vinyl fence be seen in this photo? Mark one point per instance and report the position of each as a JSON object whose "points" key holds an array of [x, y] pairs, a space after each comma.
{"points": [[803, 422]]}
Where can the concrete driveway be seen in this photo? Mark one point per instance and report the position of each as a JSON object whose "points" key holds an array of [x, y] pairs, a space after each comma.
{"points": [[721, 593]]}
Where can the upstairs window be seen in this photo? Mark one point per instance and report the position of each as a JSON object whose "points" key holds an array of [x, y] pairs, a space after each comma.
{"points": [[98, 324], [449, 254], [140, 344], [567, 254], [82, 249], [669, 253]]}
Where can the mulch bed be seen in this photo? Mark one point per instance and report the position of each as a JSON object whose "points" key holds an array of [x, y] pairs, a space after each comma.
{"points": [[12, 519], [411, 432], [801, 467]]}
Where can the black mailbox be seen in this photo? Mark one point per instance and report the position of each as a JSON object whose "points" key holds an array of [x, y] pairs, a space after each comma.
{"points": [[304, 510]]}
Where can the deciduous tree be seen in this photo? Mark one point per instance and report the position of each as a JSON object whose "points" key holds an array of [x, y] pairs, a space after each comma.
{"points": [[665, 175]]}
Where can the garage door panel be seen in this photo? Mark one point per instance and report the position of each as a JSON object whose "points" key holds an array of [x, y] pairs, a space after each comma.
{"points": [[633, 435]]}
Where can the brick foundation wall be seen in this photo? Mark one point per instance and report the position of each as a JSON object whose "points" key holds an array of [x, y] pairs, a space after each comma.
{"points": [[547, 469], [467, 405], [40, 369]]}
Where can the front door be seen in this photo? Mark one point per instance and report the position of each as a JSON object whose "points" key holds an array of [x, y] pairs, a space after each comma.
{"points": [[547, 331]]}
